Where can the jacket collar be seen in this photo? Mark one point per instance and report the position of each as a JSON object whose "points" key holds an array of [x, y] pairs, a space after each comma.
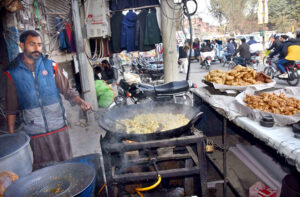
{"points": [[18, 62]]}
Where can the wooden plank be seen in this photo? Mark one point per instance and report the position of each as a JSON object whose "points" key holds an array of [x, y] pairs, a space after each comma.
{"points": [[193, 155], [181, 141], [238, 174], [188, 181], [142, 176]]}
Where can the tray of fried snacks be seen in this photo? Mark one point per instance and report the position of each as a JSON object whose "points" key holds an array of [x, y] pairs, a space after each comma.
{"points": [[238, 79], [283, 105]]}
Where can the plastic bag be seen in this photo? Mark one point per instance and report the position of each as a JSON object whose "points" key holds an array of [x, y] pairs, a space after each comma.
{"points": [[6, 178], [104, 94]]}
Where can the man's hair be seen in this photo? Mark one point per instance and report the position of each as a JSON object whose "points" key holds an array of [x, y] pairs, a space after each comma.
{"points": [[104, 62], [27, 33], [251, 37], [243, 40], [97, 68], [285, 37]]}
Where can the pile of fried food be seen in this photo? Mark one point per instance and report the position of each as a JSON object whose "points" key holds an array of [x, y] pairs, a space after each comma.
{"points": [[153, 122], [239, 76], [277, 104]]}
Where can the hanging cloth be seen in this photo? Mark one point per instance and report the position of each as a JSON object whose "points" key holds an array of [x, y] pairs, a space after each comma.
{"points": [[116, 26], [128, 32], [152, 32], [11, 39], [140, 32]]}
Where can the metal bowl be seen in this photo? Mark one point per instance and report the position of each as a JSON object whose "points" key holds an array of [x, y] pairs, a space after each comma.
{"points": [[68, 179], [14, 154]]}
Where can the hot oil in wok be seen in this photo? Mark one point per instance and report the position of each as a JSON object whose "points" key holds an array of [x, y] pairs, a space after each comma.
{"points": [[153, 122]]}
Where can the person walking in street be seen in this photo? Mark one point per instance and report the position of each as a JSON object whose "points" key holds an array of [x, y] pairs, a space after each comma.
{"points": [[183, 59], [33, 88], [244, 52]]}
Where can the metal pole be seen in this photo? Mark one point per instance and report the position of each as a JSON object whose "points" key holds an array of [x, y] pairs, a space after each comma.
{"points": [[263, 24], [191, 46], [81, 57], [224, 156]]}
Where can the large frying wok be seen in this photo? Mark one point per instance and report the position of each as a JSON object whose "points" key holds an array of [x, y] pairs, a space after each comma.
{"points": [[109, 120], [68, 179]]}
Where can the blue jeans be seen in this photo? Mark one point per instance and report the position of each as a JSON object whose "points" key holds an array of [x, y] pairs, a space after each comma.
{"points": [[280, 64], [239, 61], [226, 54]]}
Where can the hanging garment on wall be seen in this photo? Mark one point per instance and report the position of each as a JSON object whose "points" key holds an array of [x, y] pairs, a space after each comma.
{"points": [[116, 26], [11, 39], [128, 32], [140, 31], [123, 4], [63, 45], [152, 33]]}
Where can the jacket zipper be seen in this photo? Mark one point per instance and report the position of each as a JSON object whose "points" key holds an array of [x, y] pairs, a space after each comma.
{"points": [[40, 101]]}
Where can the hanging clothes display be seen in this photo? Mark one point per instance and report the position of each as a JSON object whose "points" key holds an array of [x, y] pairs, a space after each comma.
{"points": [[12, 38], [140, 32], [116, 26], [124, 4], [128, 32], [152, 33]]}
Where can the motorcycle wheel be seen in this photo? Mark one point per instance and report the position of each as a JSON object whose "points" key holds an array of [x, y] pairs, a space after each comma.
{"points": [[270, 72], [185, 100], [120, 100], [231, 65], [293, 79], [265, 59]]}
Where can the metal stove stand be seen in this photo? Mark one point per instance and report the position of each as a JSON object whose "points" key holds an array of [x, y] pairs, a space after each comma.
{"points": [[192, 155]]}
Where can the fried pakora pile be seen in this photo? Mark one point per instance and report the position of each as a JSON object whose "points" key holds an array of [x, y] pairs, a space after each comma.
{"points": [[239, 76], [277, 104]]}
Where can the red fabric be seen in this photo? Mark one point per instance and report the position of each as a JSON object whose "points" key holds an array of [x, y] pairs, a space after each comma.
{"points": [[68, 30], [8, 76], [55, 68], [55, 131]]}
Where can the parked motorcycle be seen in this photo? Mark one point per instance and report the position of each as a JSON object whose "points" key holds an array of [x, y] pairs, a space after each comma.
{"points": [[148, 70], [292, 68], [177, 91]]}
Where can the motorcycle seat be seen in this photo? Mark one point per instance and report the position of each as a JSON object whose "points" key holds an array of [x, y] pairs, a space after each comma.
{"points": [[172, 87]]}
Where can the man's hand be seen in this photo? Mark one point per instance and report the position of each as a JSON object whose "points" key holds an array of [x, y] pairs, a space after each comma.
{"points": [[85, 106], [11, 119]]}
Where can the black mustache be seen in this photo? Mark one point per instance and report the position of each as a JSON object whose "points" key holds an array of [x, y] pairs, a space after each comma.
{"points": [[36, 52]]}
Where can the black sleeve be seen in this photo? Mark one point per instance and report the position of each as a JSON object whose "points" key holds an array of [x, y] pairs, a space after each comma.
{"points": [[237, 51], [272, 46], [277, 51]]}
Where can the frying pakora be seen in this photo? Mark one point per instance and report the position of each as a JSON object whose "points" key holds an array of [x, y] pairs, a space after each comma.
{"points": [[153, 122]]}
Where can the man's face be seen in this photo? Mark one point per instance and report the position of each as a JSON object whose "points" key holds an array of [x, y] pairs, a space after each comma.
{"points": [[32, 47]]}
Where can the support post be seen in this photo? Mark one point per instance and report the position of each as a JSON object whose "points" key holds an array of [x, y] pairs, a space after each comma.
{"points": [[85, 70], [224, 156], [169, 41]]}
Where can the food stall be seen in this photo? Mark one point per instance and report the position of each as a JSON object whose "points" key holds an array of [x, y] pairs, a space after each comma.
{"points": [[234, 123]]}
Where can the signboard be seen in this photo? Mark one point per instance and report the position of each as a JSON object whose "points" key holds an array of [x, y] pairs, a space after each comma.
{"points": [[263, 12]]}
